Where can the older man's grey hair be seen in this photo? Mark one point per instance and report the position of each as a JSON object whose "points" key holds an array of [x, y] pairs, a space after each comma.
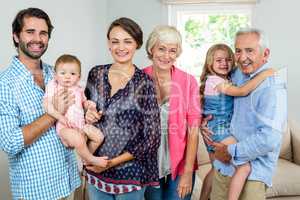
{"points": [[263, 40]]}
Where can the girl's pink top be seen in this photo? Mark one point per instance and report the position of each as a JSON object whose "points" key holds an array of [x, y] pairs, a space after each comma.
{"points": [[184, 111], [211, 84]]}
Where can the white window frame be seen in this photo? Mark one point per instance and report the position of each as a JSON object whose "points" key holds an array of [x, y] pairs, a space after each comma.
{"points": [[177, 11]]}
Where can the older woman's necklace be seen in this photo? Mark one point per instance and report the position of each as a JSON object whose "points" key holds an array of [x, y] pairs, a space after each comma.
{"points": [[163, 86]]}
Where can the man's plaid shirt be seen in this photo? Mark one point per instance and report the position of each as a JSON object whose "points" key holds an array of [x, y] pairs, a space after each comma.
{"points": [[45, 169]]}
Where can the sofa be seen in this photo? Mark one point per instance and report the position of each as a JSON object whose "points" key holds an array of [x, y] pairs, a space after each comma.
{"points": [[286, 180]]}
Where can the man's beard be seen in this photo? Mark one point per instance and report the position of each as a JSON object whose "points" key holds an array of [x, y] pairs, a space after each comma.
{"points": [[24, 48]]}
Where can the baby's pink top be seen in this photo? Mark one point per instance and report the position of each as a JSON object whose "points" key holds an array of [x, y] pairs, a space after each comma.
{"points": [[211, 83], [75, 113]]}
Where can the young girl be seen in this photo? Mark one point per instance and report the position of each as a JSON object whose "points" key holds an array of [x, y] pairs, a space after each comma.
{"points": [[217, 94], [71, 127]]}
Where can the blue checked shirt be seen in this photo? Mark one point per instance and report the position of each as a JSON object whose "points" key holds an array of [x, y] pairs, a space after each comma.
{"points": [[45, 169], [257, 123]]}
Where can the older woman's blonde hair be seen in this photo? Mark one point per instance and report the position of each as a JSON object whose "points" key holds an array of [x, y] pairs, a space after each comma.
{"points": [[164, 34]]}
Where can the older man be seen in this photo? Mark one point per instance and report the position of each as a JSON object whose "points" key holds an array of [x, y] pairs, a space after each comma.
{"points": [[257, 122], [40, 167]]}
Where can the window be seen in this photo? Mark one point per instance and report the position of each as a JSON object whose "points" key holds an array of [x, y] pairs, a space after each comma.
{"points": [[203, 25]]}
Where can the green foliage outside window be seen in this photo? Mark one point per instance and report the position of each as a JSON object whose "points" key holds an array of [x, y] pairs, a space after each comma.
{"points": [[213, 29]]}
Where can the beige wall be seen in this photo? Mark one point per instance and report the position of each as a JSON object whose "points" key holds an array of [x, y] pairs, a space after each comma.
{"points": [[279, 18]]}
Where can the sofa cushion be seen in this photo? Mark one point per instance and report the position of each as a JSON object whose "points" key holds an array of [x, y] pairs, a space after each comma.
{"points": [[285, 198], [286, 181], [200, 175], [203, 170], [295, 130], [286, 148]]}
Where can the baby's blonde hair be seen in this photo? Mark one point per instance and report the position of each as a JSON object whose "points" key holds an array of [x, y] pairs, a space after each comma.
{"points": [[67, 58]]}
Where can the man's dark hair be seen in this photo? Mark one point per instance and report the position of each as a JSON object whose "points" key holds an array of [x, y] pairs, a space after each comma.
{"points": [[132, 28], [18, 22]]}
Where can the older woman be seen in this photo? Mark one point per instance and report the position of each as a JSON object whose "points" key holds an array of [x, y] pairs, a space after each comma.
{"points": [[177, 94], [129, 119]]}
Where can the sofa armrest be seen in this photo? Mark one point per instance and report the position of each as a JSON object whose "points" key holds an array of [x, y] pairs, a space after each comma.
{"points": [[295, 133]]}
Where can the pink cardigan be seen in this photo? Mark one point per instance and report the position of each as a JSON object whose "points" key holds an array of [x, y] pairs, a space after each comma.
{"points": [[184, 111]]}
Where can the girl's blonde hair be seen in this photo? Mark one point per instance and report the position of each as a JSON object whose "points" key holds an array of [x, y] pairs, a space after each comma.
{"points": [[67, 58], [209, 61]]}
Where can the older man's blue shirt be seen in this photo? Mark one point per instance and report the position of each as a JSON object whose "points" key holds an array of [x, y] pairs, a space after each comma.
{"points": [[257, 123]]}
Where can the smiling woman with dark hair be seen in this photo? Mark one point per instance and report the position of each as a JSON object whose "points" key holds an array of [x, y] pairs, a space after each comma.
{"points": [[129, 119]]}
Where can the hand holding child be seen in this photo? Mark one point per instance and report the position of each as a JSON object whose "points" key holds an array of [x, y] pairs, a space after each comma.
{"points": [[92, 115], [269, 72], [204, 130], [99, 169], [62, 100], [59, 103], [221, 152]]}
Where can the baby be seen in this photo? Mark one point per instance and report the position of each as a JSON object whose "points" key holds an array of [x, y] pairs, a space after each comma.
{"points": [[71, 127]]}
